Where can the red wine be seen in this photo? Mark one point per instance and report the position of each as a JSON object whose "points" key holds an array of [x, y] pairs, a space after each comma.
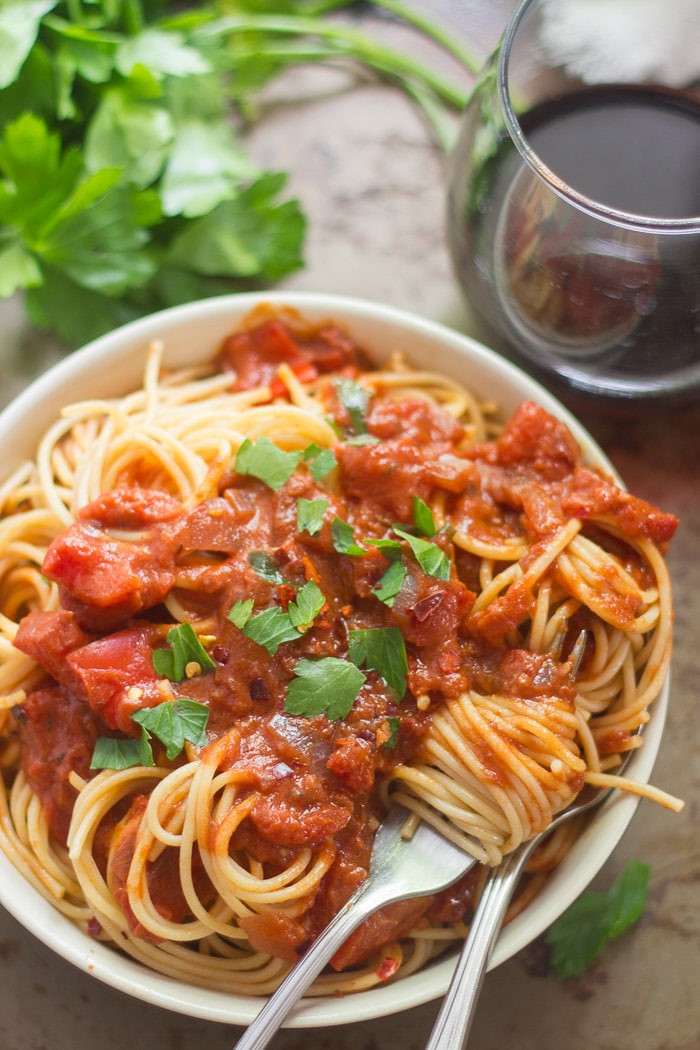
{"points": [[633, 149], [611, 306]]}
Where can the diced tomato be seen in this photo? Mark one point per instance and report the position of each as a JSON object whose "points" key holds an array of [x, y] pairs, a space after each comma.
{"points": [[115, 674], [256, 354], [48, 637], [104, 580]]}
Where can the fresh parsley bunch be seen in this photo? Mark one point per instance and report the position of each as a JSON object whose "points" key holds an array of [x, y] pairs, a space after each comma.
{"points": [[124, 186]]}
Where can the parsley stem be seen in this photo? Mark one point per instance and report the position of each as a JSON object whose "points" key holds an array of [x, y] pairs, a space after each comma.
{"points": [[469, 60], [355, 45], [133, 16], [74, 10]]}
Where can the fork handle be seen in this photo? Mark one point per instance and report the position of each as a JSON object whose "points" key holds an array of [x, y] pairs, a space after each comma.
{"points": [[454, 1019], [366, 899]]}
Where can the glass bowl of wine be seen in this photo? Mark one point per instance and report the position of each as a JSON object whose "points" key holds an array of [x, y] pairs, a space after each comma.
{"points": [[574, 218]]}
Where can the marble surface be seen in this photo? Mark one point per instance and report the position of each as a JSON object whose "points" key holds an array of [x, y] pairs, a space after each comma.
{"points": [[371, 182]]}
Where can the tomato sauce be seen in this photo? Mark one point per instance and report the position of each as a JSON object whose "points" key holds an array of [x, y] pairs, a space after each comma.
{"points": [[314, 778]]}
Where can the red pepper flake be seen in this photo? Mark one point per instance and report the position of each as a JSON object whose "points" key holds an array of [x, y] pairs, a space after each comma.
{"points": [[387, 968]]}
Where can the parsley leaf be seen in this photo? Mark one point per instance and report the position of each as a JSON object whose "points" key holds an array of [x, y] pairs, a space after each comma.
{"points": [[423, 517], [175, 722], [389, 585], [579, 935], [266, 567], [381, 649], [309, 602], [264, 460], [184, 657], [355, 400], [270, 628], [115, 753], [431, 558], [344, 538], [240, 612], [327, 686], [321, 461], [19, 24], [310, 514]]}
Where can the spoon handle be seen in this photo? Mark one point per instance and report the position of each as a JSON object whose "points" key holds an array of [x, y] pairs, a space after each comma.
{"points": [[453, 1022]]}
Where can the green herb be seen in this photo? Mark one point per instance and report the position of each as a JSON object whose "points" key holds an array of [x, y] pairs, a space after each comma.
{"points": [[266, 567], [124, 184], [423, 517], [186, 651], [309, 602], [390, 583], [310, 514], [391, 549], [579, 935], [274, 626], [394, 724], [431, 558], [355, 399], [264, 460], [173, 722], [327, 686], [114, 753], [270, 629], [381, 649], [363, 439], [241, 611], [344, 538], [321, 461]]}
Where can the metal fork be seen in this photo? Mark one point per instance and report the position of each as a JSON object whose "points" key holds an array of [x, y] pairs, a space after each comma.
{"points": [[400, 868], [451, 1028]]}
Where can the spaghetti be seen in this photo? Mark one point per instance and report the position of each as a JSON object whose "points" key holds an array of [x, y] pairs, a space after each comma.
{"points": [[243, 609]]}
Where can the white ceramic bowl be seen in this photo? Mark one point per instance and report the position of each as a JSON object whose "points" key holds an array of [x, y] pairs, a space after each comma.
{"points": [[113, 365]]}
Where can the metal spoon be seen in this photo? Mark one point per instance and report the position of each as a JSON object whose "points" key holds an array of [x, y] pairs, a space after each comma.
{"points": [[400, 868]]}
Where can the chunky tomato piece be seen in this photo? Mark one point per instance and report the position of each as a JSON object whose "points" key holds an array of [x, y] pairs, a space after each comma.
{"points": [[115, 674]]}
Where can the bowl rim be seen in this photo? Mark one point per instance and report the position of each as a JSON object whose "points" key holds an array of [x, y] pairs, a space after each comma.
{"points": [[39, 402]]}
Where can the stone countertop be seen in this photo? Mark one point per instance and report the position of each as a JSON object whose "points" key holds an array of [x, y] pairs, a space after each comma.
{"points": [[371, 183]]}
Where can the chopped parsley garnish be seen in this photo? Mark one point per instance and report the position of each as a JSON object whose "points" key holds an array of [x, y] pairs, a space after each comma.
{"points": [[241, 611], [321, 461], [391, 549], [579, 935], [264, 460], [266, 567], [270, 628], [423, 517], [431, 558], [326, 686], [113, 753], [172, 722], [185, 653], [381, 649], [389, 585], [308, 604], [273, 626], [175, 722], [310, 514], [355, 400], [344, 538]]}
